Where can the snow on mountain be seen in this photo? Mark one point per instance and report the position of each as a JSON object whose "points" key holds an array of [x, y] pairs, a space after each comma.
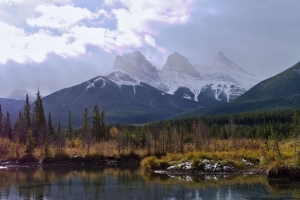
{"points": [[225, 79], [122, 78], [224, 69], [222, 82], [181, 64], [139, 68]]}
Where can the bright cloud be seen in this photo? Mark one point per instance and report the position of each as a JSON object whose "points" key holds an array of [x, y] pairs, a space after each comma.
{"points": [[61, 17], [11, 1], [75, 32]]}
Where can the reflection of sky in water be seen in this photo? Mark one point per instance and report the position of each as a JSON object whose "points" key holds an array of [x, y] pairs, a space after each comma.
{"points": [[97, 183]]}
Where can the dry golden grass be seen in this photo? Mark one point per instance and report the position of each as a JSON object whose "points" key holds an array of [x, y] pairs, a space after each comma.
{"points": [[231, 151]]}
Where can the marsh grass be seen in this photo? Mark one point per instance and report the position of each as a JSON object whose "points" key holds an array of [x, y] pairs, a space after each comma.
{"points": [[260, 153]]}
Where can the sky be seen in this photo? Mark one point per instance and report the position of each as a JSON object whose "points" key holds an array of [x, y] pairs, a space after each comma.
{"points": [[54, 44]]}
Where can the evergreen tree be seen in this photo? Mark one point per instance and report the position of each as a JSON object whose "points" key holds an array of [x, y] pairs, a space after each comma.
{"points": [[143, 137], [27, 114], [96, 128], [50, 126], [19, 128], [61, 139], [7, 126], [85, 121], [39, 121], [103, 125], [29, 142], [70, 128]]}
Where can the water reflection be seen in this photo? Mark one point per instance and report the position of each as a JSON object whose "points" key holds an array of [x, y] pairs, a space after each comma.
{"points": [[132, 183]]}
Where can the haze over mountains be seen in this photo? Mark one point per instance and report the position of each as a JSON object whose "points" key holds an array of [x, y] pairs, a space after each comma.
{"points": [[222, 82], [137, 92]]}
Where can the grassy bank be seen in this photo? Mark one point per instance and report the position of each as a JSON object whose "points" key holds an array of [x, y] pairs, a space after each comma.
{"points": [[240, 154]]}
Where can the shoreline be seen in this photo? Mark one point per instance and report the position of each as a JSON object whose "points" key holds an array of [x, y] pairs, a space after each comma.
{"points": [[250, 171]]}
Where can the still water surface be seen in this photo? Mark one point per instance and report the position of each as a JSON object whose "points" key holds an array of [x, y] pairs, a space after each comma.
{"points": [[132, 183]]}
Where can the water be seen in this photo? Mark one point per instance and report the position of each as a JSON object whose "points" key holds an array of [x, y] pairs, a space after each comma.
{"points": [[132, 183]]}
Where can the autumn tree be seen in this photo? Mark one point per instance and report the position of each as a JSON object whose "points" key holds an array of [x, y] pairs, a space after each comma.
{"points": [[295, 130]]}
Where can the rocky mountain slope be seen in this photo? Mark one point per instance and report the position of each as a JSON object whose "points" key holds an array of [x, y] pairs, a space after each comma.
{"points": [[11, 105], [222, 82], [124, 99], [279, 92]]}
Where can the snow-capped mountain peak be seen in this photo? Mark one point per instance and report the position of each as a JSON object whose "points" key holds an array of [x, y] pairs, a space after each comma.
{"points": [[223, 63], [179, 63], [221, 82], [138, 68]]}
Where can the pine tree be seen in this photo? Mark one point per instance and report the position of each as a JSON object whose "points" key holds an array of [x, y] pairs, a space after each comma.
{"points": [[29, 142], [103, 125], [39, 120], [7, 126], [70, 128], [50, 126], [143, 138], [96, 129], [19, 128], [27, 114], [61, 139]]}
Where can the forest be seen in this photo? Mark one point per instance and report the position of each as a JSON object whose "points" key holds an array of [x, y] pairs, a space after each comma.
{"points": [[34, 134]]}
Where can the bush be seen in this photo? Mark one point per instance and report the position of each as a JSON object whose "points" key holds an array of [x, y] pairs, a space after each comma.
{"points": [[153, 163]]}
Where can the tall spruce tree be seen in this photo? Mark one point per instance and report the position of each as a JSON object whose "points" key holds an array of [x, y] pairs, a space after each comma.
{"points": [[27, 114], [7, 126], [39, 120], [70, 127], [96, 128], [103, 125], [60, 139], [19, 128], [50, 127]]}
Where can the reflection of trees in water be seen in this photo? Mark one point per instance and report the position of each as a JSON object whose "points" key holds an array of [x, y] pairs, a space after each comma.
{"points": [[281, 187], [107, 183], [37, 183]]}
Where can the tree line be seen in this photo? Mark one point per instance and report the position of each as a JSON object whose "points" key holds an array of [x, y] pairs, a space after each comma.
{"points": [[35, 130]]}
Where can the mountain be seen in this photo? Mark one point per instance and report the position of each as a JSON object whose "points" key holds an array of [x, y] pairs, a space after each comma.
{"points": [[136, 92], [279, 92], [11, 105], [20, 94], [219, 83], [124, 99], [181, 64], [137, 66]]}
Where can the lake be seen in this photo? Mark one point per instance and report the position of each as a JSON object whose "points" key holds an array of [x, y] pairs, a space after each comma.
{"points": [[131, 182]]}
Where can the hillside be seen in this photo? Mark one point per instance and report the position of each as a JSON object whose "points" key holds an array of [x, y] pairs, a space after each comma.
{"points": [[279, 92]]}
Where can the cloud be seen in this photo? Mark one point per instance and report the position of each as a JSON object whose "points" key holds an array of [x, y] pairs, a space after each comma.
{"points": [[61, 17], [64, 29], [9, 2]]}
